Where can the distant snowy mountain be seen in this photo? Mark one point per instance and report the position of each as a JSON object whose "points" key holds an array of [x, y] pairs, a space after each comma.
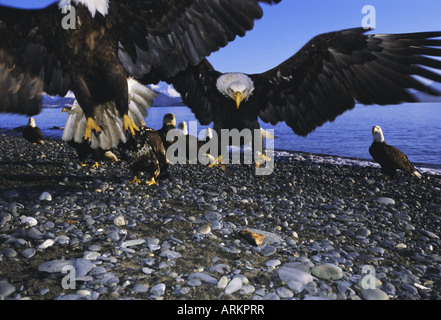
{"points": [[167, 97], [57, 101]]}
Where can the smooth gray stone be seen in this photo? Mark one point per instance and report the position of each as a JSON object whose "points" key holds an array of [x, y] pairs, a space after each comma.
{"points": [[6, 288]]}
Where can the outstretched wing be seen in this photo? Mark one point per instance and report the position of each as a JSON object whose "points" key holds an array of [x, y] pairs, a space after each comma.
{"points": [[335, 70], [158, 38], [28, 65], [197, 86]]}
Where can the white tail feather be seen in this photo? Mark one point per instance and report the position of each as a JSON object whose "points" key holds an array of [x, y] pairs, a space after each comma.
{"points": [[108, 118], [417, 174]]}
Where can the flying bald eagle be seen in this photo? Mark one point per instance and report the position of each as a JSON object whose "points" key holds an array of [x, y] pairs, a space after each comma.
{"points": [[106, 116], [90, 46], [324, 79], [32, 133], [388, 157]]}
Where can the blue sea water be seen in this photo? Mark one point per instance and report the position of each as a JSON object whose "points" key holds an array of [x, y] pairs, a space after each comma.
{"points": [[413, 128]]}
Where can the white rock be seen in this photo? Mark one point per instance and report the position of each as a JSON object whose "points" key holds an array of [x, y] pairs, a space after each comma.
{"points": [[45, 244], [203, 277], [29, 221], [119, 221], [45, 196], [222, 283], [385, 200], [233, 286], [131, 243], [158, 290], [287, 274]]}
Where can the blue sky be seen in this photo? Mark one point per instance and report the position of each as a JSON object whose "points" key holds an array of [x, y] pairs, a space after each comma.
{"points": [[287, 26]]}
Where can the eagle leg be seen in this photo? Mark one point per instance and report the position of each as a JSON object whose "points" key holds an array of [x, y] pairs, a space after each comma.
{"points": [[217, 162], [129, 125], [91, 125], [96, 165], [135, 180], [151, 182]]}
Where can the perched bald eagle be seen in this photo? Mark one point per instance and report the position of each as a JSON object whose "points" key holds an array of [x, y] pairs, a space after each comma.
{"points": [[388, 157], [32, 133], [324, 79], [90, 46], [146, 154], [168, 123], [192, 144]]}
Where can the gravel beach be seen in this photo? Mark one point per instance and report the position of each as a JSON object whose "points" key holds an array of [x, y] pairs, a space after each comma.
{"points": [[324, 230]]}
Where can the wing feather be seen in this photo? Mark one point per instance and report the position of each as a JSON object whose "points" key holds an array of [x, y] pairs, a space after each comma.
{"points": [[28, 65], [336, 70], [159, 38]]}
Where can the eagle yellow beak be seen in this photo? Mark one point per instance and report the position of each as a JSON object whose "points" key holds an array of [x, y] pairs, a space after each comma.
{"points": [[238, 97]]}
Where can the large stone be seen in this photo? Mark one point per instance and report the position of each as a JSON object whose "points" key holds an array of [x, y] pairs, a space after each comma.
{"points": [[327, 271]]}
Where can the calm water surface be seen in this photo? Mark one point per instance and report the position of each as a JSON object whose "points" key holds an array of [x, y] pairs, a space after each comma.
{"points": [[413, 128]]}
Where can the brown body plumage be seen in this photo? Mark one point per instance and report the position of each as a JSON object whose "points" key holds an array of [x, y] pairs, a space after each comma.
{"points": [[389, 157]]}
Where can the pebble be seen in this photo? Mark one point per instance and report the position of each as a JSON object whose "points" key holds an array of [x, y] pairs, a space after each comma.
{"points": [[119, 221], [6, 289], [158, 290], [53, 266], [288, 274], [374, 294], [203, 277], [320, 222], [45, 196], [9, 253], [29, 221], [223, 282], [327, 272], [140, 288], [45, 244], [385, 200], [28, 253], [234, 285]]}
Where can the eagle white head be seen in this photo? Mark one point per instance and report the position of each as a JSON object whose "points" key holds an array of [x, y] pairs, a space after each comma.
{"points": [[94, 6], [377, 134], [31, 122], [182, 126], [237, 86]]}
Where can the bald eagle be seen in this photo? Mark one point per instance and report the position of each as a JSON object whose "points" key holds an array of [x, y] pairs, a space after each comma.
{"points": [[146, 154], [106, 116], [44, 50], [320, 82], [389, 157], [168, 123], [192, 144], [32, 133]]}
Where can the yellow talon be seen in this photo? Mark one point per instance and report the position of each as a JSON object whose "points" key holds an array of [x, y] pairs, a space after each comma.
{"points": [[151, 182], [96, 165], [135, 180], [217, 162], [129, 125], [91, 125]]}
